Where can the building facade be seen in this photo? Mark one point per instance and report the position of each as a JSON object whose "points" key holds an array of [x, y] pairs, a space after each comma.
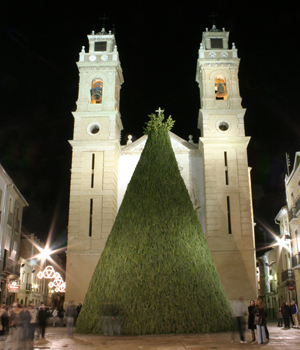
{"points": [[283, 250], [277, 273], [270, 284], [292, 187], [229, 225], [215, 170], [33, 289], [280, 265], [12, 204]]}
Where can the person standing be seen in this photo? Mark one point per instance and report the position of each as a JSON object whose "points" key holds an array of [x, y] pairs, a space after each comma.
{"points": [[70, 314], [3, 319], [42, 319], [267, 332], [241, 312], [25, 317], [233, 321], [33, 320], [286, 311], [251, 325], [61, 313], [260, 314], [280, 318], [78, 309], [15, 320], [54, 314], [294, 312]]}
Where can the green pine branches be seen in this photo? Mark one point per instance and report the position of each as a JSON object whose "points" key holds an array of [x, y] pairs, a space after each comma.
{"points": [[156, 274], [156, 122]]}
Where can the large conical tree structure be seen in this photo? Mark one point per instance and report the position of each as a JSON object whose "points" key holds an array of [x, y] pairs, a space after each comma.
{"points": [[156, 269]]}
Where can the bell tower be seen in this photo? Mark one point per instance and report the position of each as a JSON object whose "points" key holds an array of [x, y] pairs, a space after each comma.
{"points": [[95, 153], [229, 226]]}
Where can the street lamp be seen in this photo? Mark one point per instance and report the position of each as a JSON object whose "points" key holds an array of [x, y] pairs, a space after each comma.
{"points": [[44, 254]]}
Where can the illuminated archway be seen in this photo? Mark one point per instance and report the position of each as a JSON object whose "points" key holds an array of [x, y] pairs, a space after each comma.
{"points": [[220, 88]]}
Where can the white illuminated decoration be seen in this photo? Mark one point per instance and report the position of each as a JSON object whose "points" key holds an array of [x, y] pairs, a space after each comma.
{"points": [[57, 283]]}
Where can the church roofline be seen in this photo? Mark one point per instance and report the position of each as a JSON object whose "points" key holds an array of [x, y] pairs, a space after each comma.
{"points": [[182, 141], [102, 33], [213, 32], [136, 143]]}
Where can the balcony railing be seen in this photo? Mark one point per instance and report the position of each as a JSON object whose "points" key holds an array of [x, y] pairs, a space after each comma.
{"points": [[294, 210], [17, 225], [10, 267], [273, 286], [296, 260], [287, 275]]}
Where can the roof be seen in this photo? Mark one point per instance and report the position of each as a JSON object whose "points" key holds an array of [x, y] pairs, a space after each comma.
{"points": [[178, 143]]}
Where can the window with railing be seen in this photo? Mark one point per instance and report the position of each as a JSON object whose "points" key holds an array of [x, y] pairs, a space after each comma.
{"points": [[17, 226], [287, 275], [294, 209], [297, 204], [10, 219], [296, 260], [273, 286]]}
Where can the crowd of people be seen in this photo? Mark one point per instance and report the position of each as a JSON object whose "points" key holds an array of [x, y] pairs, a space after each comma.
{"points": [[257, 319], [20, 325], [288, 314]]}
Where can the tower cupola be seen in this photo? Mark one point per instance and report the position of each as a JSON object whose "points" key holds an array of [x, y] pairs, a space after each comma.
{"points": [[100, 74], [217, 70]]}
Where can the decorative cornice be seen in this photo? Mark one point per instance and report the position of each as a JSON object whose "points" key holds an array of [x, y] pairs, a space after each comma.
{"points": [[97, 145]]}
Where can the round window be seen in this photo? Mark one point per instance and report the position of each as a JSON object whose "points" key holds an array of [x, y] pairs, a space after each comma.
{"points": [[223, 126], [94, 129]]}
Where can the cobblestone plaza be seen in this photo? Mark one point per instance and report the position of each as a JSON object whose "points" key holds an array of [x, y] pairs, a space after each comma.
{"points": [[56, 338]]}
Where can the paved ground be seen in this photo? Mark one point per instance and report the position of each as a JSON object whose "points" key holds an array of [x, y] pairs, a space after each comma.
{"points": [[56, 339]]}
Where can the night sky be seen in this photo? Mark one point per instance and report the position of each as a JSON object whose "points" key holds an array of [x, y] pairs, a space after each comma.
{"points": [[158, 47]]}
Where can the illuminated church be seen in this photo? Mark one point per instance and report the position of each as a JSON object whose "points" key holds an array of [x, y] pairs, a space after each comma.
{"points": [[215, 170]]}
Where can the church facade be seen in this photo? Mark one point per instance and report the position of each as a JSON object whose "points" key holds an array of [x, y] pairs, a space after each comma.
{"points": [[215, 170]]}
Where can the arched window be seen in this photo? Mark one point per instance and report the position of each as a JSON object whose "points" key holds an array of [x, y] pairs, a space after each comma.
{"points": [[220, 88], [96, 91]]}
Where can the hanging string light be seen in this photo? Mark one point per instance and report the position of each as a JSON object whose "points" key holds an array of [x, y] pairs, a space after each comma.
{"points": [[58, 283]]}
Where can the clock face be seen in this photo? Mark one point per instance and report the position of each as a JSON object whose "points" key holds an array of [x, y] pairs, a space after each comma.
{"points": [[212, 55], [92, 58], [104, 57]]}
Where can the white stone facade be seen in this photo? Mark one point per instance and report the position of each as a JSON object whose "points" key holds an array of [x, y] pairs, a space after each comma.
{"points": [[227, 186], [215, 170], [280, 267], [292, 188], [12, 204]]}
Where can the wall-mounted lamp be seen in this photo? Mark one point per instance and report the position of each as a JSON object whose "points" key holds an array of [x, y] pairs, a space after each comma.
{"points": [[32, 271]]}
